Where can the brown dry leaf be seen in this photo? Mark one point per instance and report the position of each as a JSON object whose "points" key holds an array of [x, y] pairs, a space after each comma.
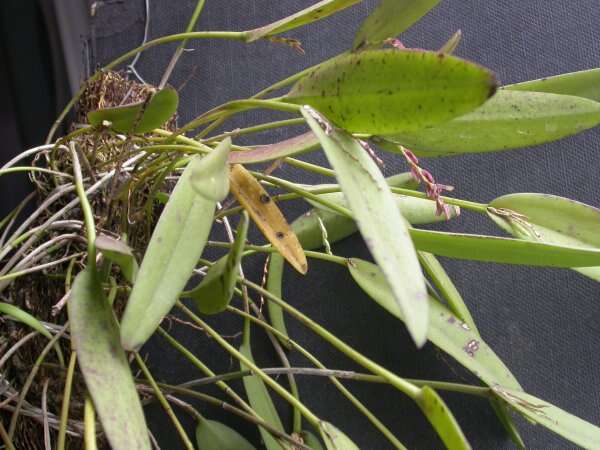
{"points": [[267, 216]]}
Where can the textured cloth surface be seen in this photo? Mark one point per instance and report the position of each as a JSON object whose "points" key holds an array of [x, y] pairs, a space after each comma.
{"points": [[544, 323]]}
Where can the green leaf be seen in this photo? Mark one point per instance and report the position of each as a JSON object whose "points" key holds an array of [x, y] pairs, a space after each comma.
{"points": [[507, 422], [95, 337], [119, 253], [379, 221], [442, 419], [451, 44], [446, 287], [511, 119], [290, 147], [176, 244], [215, 291], [310, 440], [585, 83], [141, 117], [24, 317], [478, 247], [446, 331], [260, 400], [389, 19], [308, 231], [213, 435], [318, 11], [393, 91], [550, 219], [211, 178], [555, 419], [335, 439]]}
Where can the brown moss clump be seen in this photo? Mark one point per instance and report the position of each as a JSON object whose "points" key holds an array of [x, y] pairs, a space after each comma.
{"points": [[124, 206]]}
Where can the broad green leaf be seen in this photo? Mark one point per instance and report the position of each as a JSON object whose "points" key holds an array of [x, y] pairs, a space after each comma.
{"points": [[260, 400], [382, 226], [267, 216], [308, 230], [311, 440], [504, 250], [555, 419], [446, 287], [585, 83], [393, 91], [119, 253], [442, 419], [141, 117], [211, 178], [511, 119], [318, 11], [335, 439], [24, 317], [446, 331], [213, 435], [551, 219], [389, 19], [215, 291], [290, 147], [95, 337], [175, 246]]}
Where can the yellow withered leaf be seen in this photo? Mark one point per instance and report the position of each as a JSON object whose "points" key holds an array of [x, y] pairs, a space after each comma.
{"points": [[267, 216]]}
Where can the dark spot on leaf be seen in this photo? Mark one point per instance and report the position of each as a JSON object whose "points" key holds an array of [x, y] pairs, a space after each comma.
{"points": [[280, 235], [264, 198]]}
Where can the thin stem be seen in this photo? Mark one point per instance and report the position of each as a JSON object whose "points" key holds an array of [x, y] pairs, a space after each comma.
{"points": [[88, 215], [312, 418], [13, 275], [355, 401], [165, 404], [6, 438], [232, 35], [399, 383], [64, 410], [89, 423], [17, 169], [181, 46], [256, 129], [466, 204]]}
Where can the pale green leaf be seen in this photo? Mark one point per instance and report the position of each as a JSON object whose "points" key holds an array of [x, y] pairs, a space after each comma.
{"points": [[393, 91], [379, 221], [503, 250], [290, 147], [446, 331], [585, 83], [555, 419], [511, 119], [334, 439], [175, 246], [551, 219], [211, 178], [260, 399], [215, 291], [119, 253], [315, 12], [141, 117], [389, 19], [442, 419], [503, 413], [95, 337], [213, 435], [311, 440]]}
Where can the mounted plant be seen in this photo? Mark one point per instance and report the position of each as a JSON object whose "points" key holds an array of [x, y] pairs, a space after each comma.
{"points": [[127, 200]]}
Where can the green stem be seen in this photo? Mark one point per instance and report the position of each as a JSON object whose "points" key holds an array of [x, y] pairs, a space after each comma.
{"points": [[164, 403], [473, 206], [6, 438], [89, 423], [232, 35], [64, 410], [88, 215], [312, 418], [399, 383], [357, 403], [256, 129], [33, 169], [181, 46]]}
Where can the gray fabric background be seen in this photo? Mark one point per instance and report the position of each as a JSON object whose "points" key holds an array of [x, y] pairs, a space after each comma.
{"points": [[543, 323]]}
